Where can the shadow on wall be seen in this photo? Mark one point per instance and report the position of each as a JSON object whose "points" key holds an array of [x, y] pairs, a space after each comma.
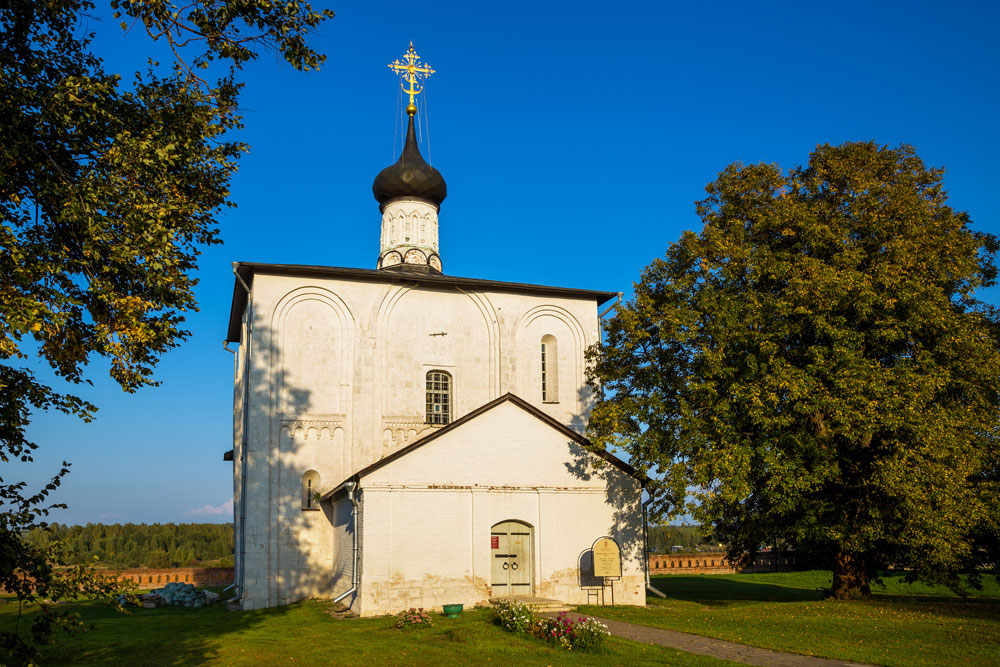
{"points": [[288, 541], [626, 525]]}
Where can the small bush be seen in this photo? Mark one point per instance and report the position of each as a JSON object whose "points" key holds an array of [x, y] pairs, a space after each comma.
{"points": [[586, 634], [413, 618], [513, 616], [589, 634]]}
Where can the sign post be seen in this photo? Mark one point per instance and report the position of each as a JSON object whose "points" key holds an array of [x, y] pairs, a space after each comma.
{"points": [[607, 563]]}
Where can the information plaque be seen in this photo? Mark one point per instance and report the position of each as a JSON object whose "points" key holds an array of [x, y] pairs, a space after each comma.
{"points": [[607, 558]]}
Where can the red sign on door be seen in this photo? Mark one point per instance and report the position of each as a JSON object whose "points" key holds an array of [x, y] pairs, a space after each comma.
{"points": [[494, 542]]}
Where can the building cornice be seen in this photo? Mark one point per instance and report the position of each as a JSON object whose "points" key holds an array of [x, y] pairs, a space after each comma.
{"points": [[247, 271]]}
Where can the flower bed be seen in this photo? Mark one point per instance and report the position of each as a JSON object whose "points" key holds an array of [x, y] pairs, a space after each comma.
{"points": [[413, 618], [583, 634]]}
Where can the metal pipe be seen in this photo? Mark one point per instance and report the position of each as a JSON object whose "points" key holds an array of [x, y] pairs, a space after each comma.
{"points": [[349, 487], [246, 288], [225, 346], [618, 299], [343, 595]]}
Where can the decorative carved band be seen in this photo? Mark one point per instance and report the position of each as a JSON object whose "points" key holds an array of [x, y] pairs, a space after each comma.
{"points": [[399, 430], [305, 423]]}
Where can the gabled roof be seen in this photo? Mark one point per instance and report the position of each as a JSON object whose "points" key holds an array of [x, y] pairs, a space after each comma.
{"points": [[247, 270], [519, 402]]}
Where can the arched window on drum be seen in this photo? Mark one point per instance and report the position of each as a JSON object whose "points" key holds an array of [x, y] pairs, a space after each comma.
{"points": [[310, 490], [550, 369]]}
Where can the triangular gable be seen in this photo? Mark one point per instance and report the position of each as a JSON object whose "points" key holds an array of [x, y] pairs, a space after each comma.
{"points": [[514, 400]]}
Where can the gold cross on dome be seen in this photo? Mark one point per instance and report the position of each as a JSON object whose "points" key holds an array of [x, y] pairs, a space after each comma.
{"points": [[412, 72]]}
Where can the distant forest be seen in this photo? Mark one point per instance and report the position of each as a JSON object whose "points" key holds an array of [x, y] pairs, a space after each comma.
{"points": [[133, 545], [158, 545], [662, 538]]}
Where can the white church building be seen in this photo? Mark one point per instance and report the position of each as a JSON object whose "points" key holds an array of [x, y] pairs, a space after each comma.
{"points": [[406, 438]]}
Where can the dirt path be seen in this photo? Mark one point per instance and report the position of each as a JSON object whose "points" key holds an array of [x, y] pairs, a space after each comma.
{"points": [[718, 648]]}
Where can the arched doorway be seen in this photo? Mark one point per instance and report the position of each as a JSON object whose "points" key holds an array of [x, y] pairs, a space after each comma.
{"points": [[510, 552]]}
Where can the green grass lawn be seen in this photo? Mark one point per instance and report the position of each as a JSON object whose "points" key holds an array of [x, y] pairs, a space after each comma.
{"points": [[304, 633], [901, 625]]}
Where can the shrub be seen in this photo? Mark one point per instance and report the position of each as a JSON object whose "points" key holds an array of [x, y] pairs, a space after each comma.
{"points": [[513, 616], [589, 634], [586, 634], [413, 618]]}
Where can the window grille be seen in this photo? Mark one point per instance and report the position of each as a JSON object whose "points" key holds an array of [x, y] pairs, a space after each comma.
{"points": [[550, 369], [310, 485], [438, 397], [545, 392]]}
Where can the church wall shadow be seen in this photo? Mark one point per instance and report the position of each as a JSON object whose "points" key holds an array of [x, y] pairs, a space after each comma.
{"points": [[288, 549], [626, 522]]}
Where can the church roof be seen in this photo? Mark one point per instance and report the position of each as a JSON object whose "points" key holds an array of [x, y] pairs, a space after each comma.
{"points": [[521, 403], [410, 176], [247, 270]]}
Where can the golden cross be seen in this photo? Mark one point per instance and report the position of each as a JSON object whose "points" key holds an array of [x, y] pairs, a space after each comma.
{"points": [[412, 72]]}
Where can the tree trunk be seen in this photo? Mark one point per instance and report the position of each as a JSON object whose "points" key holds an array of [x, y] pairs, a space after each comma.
{"points": [[850, 577]]}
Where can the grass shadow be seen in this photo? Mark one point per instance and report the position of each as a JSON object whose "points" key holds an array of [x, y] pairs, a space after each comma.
{"points": [[305, 633], [715, 591], [180, 635]]}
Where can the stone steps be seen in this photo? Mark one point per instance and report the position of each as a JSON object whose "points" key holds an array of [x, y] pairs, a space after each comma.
{"points": [[538, 605]]}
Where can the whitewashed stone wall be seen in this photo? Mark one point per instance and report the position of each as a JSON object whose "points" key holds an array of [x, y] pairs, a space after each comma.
{"points": [[337, 382], [428, 515]]}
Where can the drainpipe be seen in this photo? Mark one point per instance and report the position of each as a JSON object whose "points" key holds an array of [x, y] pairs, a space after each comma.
{"points": [[618, 299], [240, 576], [645, 548], [349, 487]]}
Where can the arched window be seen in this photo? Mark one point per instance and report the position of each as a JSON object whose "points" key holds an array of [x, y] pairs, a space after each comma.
{"points": [[438, 397], [310, 487], [550, 369]]}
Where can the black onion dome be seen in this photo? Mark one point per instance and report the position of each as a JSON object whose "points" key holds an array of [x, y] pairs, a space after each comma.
{"points": [[410, 176]]}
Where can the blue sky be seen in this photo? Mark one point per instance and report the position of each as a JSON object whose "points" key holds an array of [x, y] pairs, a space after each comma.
{"points": [[574, 143]]}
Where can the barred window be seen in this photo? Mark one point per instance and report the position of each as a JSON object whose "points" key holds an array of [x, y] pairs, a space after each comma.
{"points": [[438, 397], [310, 487], [545, 388], [550, 369]]}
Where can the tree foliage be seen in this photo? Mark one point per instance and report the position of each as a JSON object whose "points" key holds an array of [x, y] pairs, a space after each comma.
{"points": [[814, 367], [133, 545], [108, 190], [663, 538]]}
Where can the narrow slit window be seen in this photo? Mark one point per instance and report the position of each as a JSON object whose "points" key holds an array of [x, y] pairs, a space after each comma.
{"points": [[310, 487], [550, 369], [545, 388], [438, 397]]}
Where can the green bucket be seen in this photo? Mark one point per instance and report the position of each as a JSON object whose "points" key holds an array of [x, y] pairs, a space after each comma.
{"points": [[452, 610]]}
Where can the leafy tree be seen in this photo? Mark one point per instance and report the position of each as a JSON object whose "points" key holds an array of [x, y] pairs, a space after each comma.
{"points": [[663, 538], [107, 193], [814, 367], [135, 545]]}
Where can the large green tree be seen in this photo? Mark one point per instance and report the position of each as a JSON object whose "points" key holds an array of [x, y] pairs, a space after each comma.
{"points": [[814, 367], [108, 190]]}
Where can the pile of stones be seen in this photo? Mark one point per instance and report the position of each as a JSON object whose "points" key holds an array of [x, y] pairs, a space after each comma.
{"points": [[178, 594]]}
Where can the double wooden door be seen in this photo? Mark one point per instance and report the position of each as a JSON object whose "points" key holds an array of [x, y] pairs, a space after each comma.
{"points": [[510, 552]]}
